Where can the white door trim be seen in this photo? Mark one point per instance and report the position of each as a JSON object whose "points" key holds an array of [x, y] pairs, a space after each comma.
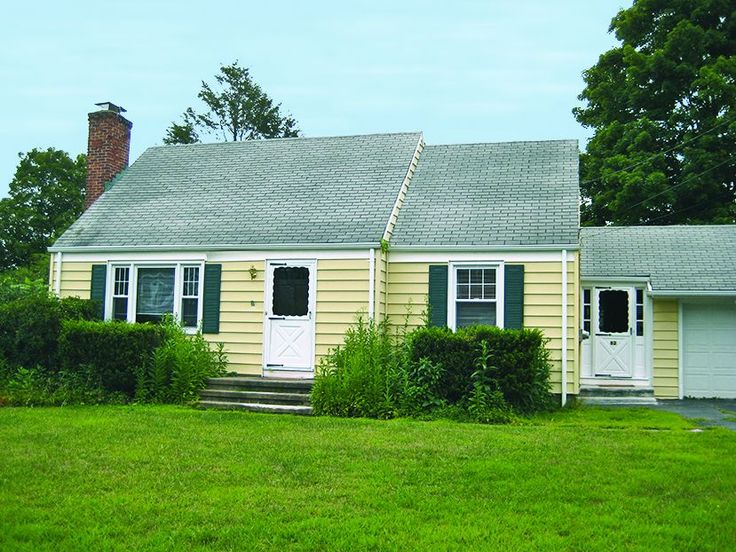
{"points": [[267, 293]]}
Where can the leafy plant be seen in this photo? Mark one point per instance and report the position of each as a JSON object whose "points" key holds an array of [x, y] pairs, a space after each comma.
{"points": [[179, 367], [486, 403]]}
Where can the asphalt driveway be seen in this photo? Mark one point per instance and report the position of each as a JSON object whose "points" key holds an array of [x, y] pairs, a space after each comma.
{"points": [[712, 412]]}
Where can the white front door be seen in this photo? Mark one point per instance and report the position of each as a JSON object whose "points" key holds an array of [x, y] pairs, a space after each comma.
{"points": [[614, 320], [289, 318]]}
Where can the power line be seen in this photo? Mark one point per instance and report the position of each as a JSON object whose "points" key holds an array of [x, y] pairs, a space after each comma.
{"points": [[669, 188], [673, 148]]}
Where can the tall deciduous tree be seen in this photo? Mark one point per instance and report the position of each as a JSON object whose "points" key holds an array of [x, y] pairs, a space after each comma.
{"points": [[46, 196], [663, 106], [236, 108]]}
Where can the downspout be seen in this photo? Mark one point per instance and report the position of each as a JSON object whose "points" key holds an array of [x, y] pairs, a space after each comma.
{"points": [[57, 279], [564, 327], [371, 282]]}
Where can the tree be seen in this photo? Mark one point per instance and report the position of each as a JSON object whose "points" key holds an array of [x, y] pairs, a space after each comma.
{"points": [[663, 108], [46, 196], [236, 109]]}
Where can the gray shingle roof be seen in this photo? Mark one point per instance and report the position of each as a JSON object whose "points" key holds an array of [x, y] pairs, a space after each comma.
{"points": [[509, 193], [677, 258], [284, 191]]}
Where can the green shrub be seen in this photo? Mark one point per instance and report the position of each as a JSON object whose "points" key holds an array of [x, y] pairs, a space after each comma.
{"points": [[362, 378], [518, 361], [114, 351], [486, 402], [30, 323], [179, 367], [421, 391], [443, 347], [37, 387]]}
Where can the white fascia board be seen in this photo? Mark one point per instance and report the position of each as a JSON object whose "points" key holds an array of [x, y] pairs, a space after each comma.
{"points": [[676, 293], [222, 247], [615, 281], [214, 256], [458, 255], [431, 248]]}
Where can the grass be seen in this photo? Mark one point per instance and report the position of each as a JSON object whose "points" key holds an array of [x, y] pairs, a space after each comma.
{"points": [[169, 478]]}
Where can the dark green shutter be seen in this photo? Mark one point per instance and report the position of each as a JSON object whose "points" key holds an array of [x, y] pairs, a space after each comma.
{"points": [[513, 303], [97, 288], [211, 300], [437, 297]]}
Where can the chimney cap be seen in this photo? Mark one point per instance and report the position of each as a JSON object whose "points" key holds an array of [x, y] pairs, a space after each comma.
{"points": [[109, 106]]}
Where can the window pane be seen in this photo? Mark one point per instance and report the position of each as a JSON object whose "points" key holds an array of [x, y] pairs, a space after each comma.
{"points": [[463, 291], [489, 291], [155, 293], [489, 276], [191, 281], [586, 296], [475, 313], [120, 308], [586, 312], [291, 291], [639, 328], [476, 291], [476, 276], [613, 311], [121, 281], [463, 276], [189, 312]]}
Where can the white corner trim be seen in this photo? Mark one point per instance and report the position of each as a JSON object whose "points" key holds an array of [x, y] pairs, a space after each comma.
{"points": [[680, 360], [371, 282], [564, 327], [57, 279], [403, 189]]}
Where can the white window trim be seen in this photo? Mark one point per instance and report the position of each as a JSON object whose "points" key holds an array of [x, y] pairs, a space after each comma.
{"points": [[452, 289], [178, 267]]}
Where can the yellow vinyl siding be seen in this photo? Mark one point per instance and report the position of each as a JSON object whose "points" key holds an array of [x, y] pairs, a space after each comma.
{"points": [[408, 285], [241, 316], [75, 279], [342, 292], [666, 348]]}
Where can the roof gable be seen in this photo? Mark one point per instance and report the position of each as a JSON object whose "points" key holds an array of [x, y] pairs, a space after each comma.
{"points": [[300, 191], [500, 194]]}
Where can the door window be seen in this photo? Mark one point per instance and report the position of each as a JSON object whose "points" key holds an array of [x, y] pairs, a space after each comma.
{"points": [[613, 311], [290, 291]]}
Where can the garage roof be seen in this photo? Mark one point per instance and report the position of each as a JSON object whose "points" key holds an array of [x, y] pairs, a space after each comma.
{"points": [[689, 259]]}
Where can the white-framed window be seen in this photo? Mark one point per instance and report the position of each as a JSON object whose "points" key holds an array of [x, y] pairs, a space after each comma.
{"points": [[145, 292], [475, 295]]}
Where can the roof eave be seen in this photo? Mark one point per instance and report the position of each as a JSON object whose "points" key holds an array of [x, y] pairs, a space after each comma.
{"points": [[215, 247], [542, 247]]}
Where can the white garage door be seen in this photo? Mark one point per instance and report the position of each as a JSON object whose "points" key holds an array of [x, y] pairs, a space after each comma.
{"points": [[709, 350]]}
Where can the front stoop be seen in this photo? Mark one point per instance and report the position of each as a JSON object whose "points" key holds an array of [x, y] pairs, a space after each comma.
{"points": [[616, 395], [276, 396]]}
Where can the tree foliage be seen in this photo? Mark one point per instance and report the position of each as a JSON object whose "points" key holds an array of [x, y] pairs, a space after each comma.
{"points": [[663, 107], [46, 196], [236, 108]]}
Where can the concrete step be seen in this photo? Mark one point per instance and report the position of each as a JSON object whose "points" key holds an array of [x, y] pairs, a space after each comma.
{"points": [[258, 384], [616, 394], [265, 397], [258, 407]]}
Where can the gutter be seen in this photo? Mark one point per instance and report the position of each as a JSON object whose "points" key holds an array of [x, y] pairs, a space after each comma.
{"points": [[484, 248], [680, 293], [222, 247]]}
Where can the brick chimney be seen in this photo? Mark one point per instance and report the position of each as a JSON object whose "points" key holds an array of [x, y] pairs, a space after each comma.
{"points": [[108, 148]]}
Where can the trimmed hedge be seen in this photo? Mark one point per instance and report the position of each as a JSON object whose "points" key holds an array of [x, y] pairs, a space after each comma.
{"points": [[30, 323], [115, 351]]}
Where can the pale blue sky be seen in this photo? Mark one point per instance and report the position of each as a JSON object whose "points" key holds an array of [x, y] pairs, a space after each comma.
{"points": [[461, 71]]}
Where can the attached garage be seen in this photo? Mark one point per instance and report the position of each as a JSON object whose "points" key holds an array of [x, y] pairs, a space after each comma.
{"points": [[687, 275], [709, 350]]}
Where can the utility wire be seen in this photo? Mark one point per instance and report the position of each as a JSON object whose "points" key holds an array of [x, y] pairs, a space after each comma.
{"points": [[673, 148]]}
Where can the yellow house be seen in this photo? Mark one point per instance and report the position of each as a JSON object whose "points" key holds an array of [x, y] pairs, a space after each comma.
{"points": [[273, 247]]}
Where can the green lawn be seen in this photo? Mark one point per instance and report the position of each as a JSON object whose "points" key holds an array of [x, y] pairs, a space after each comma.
{"points": [[166, 478]]}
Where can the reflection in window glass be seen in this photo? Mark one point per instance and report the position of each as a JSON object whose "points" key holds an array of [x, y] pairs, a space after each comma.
{"points": [[155, 294]]}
